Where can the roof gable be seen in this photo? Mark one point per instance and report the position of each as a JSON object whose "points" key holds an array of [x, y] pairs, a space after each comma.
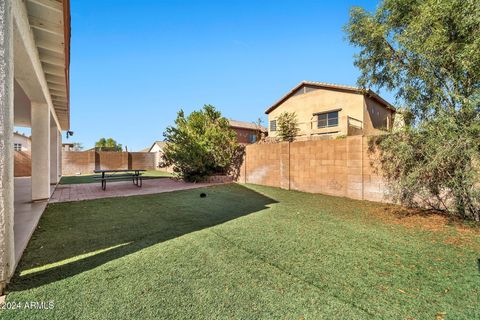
{"points": [[307, 86]]}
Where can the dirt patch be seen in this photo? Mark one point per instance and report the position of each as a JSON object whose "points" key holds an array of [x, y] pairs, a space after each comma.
{"points": [[430, 221]]}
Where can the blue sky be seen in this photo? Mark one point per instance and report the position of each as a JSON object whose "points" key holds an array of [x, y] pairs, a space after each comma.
{"points": [[134, 64]]}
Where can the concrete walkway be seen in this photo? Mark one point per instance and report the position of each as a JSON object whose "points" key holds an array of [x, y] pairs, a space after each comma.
{"points": [[26, 214], [89, 191]]}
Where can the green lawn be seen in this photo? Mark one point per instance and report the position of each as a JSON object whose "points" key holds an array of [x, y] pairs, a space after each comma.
{"points": [[89, 178], [243, 252]]}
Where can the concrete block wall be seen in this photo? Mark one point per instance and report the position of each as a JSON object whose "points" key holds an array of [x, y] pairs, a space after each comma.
{"points": [[339, 167], [112, 160], [22, 166], [262, 164], [85, 162], [142, 160], [78, 162]]}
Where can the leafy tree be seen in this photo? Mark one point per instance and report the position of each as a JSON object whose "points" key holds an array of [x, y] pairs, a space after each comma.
{"points": [[201, 144], [108, 144], [287, 126], [426, 51]]}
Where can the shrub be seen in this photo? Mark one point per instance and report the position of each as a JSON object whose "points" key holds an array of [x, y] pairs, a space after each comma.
{"points": [[201, 144]]}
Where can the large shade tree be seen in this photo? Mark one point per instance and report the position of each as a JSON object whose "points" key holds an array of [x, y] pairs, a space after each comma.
{"points": [[427, 52], [201, 144]]}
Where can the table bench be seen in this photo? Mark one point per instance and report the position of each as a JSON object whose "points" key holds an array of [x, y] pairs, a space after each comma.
{"points": [[127, 174]]}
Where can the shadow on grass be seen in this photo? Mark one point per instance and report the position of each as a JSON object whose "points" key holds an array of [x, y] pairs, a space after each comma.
{"points": [[75, 237]]}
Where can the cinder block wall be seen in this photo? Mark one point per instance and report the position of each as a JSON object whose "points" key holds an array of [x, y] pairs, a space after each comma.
{"points": [[142, 160], [87, 161], [22, 164], [78, 162], [112, 160], [340, 167]]}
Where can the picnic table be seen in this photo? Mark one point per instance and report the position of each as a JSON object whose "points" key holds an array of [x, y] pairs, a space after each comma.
{"points": [[121, 174]]}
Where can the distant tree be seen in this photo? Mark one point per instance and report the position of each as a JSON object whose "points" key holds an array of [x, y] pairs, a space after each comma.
{"points": [[200, 144], [427, 52], [108, 144], [77, 146], [260, 133], [287, 126]]}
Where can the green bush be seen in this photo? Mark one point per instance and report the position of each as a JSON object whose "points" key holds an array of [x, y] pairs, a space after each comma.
{"points": [[201, 144]]}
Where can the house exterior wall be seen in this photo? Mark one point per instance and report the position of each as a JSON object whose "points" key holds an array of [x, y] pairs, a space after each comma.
{"points": [[376, 117], [23, 140], [320, 100], [243, 134], [156, 148], [7, 252], [358, 114], [339, 167]]}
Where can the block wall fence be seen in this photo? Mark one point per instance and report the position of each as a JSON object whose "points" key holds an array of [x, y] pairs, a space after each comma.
{"points": [[339, 167], [85, 162], [22, 164]]}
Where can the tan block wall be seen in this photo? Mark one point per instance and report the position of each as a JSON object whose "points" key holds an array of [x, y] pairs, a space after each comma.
{"points": [[111, 160], [23, 164], [88, 161], [263, 164], [78, 162], [142, 160], [341, 167]]}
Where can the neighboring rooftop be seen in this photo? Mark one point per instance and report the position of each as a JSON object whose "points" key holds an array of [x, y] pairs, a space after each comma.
{"points": [[160, 144], [246, 125], [331, 86], [21, 134]]}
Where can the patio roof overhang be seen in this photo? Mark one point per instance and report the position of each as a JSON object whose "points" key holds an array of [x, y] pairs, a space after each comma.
{"points": [[42, 57]]}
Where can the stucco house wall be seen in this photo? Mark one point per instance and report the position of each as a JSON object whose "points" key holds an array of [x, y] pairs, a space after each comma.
{"points": [[23, 140], [376, 117], [359, 112], [320, 100]]}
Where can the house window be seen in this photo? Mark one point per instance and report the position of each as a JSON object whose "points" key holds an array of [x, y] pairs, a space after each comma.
{"points": [[17, 146], [327, 119], [252, 138], [273, 125]]}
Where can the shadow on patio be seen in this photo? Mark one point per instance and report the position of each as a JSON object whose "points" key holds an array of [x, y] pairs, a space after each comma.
{"points": [[79, 236]]}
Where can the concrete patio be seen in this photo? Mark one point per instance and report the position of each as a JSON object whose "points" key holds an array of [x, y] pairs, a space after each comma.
{"points": [[27, 214], [89, 191]]}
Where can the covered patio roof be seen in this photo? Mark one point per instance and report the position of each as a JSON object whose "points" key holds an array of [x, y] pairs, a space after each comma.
{"points": [[42, 56]]}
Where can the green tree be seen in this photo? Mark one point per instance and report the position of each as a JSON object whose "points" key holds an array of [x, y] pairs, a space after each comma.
{"points": [[426, 51], [201, 144], [287, 126], [108, 144]]}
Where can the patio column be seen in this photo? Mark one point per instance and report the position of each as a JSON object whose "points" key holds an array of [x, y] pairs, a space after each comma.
{"points": [[59, 154], [53, 153], [40, 151], [7, 252]]}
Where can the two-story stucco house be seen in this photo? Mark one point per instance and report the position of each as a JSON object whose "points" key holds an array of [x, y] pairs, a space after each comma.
{"points": [[328, 110]]}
